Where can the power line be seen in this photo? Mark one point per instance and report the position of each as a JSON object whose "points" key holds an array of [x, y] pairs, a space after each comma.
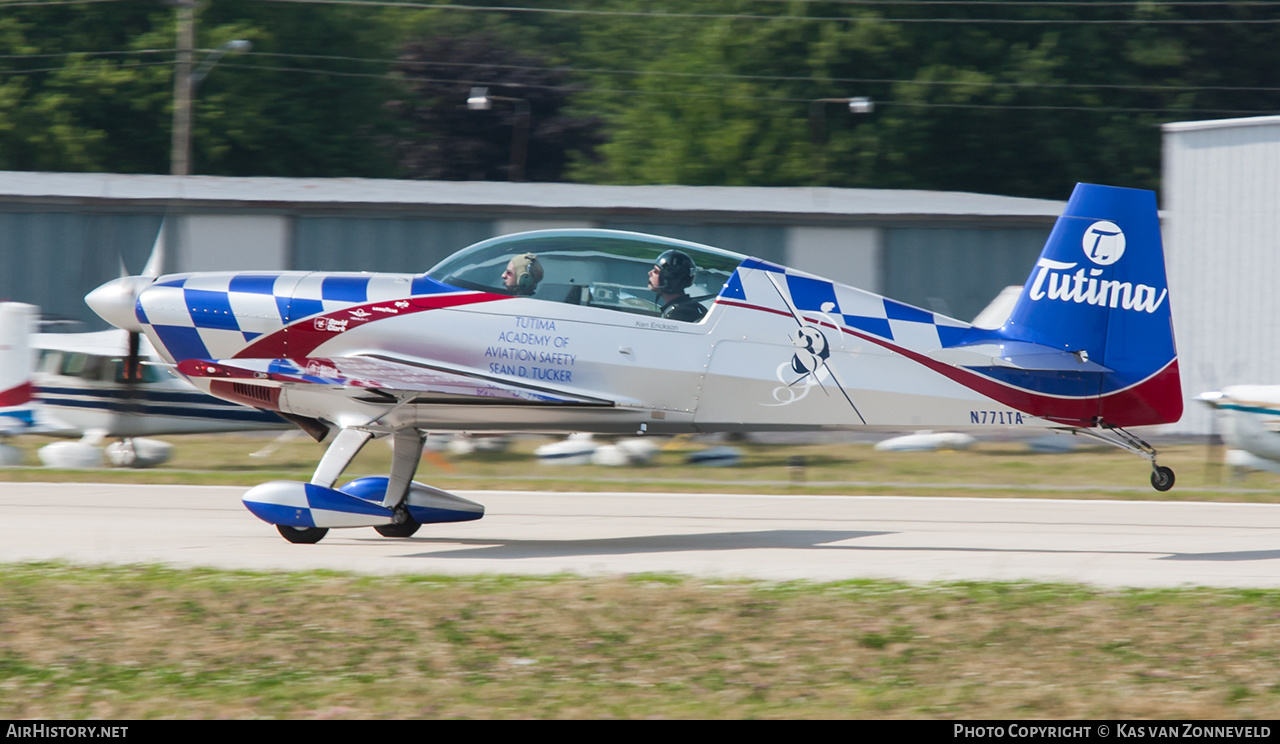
{"points": [[45, 55], [64, 68], [754, 17], [29, 3], [993, 84], [631, 92]]}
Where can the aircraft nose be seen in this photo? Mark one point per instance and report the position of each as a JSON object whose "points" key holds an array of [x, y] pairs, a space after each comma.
{"points": [[115, 301]]}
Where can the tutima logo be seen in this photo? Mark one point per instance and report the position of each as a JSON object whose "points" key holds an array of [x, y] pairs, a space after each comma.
{"points": [[1086, 287], [1103, 243]]}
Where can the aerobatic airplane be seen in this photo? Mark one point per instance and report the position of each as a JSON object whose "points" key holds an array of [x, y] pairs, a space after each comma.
{"points": [[616, 332]]}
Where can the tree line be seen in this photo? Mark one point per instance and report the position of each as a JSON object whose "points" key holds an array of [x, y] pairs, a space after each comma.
{"points": [[1011, 98]]}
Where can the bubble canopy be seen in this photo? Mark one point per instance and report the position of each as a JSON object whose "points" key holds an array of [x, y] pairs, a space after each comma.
{"points": [[598, 268]]}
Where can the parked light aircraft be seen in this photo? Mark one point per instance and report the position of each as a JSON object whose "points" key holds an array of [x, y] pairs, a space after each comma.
{"points": [[86, 385], [584, 347], [105, 385], [17, 394], [1252, 431]]}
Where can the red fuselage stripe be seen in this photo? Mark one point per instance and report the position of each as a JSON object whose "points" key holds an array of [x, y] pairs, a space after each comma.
{"points": [[300, 338], [1155, 400]]}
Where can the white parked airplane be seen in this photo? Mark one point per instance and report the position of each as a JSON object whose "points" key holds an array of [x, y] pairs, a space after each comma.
{"points": [[1250, 415], [17, 393], [85, 385], [615, 332]]}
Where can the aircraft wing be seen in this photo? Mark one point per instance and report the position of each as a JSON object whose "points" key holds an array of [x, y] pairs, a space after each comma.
{"points": [[382, 379]]}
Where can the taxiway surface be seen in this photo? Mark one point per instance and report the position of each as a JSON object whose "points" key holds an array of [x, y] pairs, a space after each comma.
{"points": [[785, 537]]}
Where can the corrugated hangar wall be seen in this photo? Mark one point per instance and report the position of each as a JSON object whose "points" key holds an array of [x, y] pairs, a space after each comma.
{"points": [[49, 257], [1221, 201], [61, 235]]}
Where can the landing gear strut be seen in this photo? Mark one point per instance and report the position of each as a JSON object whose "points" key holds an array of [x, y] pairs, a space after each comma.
{"points": [[1161, 476], [406, 448]]}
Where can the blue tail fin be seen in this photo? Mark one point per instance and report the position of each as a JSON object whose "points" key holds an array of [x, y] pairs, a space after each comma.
{"points": [[1099, 291]]}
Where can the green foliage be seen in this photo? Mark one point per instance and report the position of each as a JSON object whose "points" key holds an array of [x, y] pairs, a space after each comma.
{"points": [[1013, 98]]}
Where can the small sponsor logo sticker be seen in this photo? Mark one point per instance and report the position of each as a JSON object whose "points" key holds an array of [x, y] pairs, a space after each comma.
{"points": [[1103, 243], [332, 325]]}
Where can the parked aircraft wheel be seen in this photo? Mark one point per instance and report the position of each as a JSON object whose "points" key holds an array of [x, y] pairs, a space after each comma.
{"points": [[404, 529], [302, 535], [1162, 478]]}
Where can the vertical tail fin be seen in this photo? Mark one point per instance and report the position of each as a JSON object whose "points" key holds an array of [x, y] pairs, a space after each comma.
{"points": [[1099, 291], [17, 364]]}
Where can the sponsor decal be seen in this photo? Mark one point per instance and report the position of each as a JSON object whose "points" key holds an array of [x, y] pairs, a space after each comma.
{"points": [[320, 369], [1103, 243], [1056, 281], [382, 309], [532, 347], [332, 325], [360, 314]]}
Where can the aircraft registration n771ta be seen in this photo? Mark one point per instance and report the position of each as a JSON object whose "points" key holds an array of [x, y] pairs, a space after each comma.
{"points": [[617, 332]]}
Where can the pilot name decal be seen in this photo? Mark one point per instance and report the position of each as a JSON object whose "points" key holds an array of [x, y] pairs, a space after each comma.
{"points": [[530, 346], [657, 325]]}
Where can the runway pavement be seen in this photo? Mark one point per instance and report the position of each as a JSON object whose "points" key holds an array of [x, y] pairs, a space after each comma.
{"points": [[784, 537]]}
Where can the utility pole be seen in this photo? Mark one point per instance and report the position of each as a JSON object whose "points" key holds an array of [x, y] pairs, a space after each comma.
{"points": [[180, 157]]}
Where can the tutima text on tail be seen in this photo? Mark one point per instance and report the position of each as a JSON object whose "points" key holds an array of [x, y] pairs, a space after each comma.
{"points": [[616, 332]]}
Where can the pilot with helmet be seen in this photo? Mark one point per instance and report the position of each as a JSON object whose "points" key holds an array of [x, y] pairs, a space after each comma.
{"points": [[670, 276], [522, 275]]}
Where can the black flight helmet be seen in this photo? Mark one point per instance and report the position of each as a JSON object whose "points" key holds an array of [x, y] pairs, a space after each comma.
{"points": [[676, 272]]}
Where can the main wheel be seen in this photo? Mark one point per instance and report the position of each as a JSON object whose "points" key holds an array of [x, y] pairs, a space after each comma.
{"points": [[302, 535], [1162, 478], [404, 529]]}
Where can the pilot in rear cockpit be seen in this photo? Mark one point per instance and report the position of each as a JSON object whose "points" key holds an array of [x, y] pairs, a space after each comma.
{"points": [[522, 275], [670, 276]]}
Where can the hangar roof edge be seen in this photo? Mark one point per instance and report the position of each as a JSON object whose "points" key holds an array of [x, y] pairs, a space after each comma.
{"points": [[1192, 126], [481, 194]]}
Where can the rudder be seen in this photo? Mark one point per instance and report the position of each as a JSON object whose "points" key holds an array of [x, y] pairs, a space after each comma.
{"points": [[1099, 291]]}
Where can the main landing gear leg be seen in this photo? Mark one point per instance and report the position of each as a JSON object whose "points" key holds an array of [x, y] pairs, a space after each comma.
{"points": [[406, 451], [1161, 476], [345, 446]]}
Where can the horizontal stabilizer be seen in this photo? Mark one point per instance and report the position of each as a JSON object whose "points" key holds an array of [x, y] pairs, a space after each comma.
{"points": [[1018, 355]]}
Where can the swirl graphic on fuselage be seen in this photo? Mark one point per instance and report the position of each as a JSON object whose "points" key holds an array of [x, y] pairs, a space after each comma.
{"points": [[806, 369]]}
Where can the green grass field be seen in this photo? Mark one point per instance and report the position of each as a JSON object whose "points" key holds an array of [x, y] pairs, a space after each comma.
{"points": [[1007, 469], [148, 642]]}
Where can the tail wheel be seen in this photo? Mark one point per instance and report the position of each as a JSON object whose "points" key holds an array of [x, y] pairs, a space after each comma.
{"points": [[1162, 478], [302, 535]]}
